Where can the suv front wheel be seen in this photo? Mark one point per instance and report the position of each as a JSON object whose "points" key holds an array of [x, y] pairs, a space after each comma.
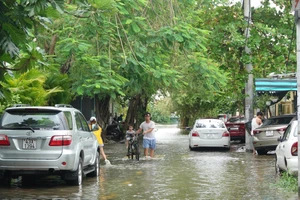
{"points": [[78, 174]]}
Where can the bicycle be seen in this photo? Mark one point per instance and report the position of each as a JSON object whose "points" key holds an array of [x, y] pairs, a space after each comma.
{"points": [[133, 148]]}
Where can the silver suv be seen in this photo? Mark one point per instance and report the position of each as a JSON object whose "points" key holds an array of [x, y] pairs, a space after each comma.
{"points": [[47, 140]]}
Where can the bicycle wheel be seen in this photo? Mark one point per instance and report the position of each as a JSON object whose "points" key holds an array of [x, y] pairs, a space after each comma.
{"points": [[137, 152], [129, 151], [132, 151]]}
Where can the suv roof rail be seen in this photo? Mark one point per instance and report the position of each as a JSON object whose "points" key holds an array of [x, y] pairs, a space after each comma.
{"points": [[63, 105], [20, 105]]}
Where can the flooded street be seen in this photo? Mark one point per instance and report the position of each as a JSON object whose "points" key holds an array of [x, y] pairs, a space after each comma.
{"points": [[174, 173]]}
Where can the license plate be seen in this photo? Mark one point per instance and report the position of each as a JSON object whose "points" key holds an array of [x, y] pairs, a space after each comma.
{"points": [[269, 133], [29, 143]]}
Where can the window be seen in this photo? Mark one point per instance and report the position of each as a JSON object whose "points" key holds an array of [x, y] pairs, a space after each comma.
{"points": [[78, 122], [237, 120], [84, 123], [278, 120], [287, 133], [36, 119], [209, 124], [68, 116], [81, 122]]}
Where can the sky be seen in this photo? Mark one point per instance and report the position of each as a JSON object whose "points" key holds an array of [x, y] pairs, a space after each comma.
{"points": [[254, 3]]}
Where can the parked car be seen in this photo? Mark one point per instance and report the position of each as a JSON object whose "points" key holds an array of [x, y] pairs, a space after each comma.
{"points": [[47, 140], [265, 137], [236, 127], [223, 117], [287, 150], [209, 133]]}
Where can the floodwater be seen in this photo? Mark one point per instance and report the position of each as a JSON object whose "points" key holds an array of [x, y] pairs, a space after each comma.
{"points": [[174, 173]]}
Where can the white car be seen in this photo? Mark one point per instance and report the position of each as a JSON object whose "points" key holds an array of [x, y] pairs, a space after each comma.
{"points": [[209, 133], [287, 150]]}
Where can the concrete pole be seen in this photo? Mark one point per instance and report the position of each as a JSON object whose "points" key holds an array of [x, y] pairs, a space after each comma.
{"points": [[249, 84], [297, 21]]}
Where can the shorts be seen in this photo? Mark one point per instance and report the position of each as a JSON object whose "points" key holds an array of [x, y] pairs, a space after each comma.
{"points": [[149, 143], [101, 145]]}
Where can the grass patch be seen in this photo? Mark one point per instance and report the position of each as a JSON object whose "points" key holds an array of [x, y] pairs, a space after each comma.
{"points": [[288, 182]]}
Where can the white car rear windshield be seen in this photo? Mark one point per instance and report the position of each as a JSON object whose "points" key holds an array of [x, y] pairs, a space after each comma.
{"points": [[34, 119], [209, 124]]}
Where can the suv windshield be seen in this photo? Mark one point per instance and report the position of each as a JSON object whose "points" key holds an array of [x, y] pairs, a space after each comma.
{"points": [[278, 120], [34, 119]]}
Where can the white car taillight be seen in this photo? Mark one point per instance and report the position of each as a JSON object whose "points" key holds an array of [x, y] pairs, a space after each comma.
{"points": [[195, 134], [225, 134], [60, 140], [4, 140], [294, 149]]}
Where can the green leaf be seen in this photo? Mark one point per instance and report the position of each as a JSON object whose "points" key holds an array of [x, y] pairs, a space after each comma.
{"points": [[128, 21], [135, 27]]}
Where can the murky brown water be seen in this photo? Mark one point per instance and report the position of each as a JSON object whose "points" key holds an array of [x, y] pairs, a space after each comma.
{"points": [[175, 173]]}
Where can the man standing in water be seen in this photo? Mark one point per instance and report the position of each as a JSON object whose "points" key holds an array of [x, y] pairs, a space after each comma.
{"points": [[256, 122], [149, 141]]}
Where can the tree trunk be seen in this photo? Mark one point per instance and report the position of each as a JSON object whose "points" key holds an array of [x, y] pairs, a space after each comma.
{"points": [[52, 44], [102, 114], [184, 122], [132, 112], [137, 106]]}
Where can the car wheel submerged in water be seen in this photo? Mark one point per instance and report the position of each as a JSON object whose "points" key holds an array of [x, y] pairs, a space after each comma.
{"points": [[277, 169], [96, 172], [78, 174]]}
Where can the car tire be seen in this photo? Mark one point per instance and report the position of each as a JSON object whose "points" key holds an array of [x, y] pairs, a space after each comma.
{"points": [[78, 174], [262, 152], [278, 171], [96, 172], [28, 180], [191, 149], [6, 181]]}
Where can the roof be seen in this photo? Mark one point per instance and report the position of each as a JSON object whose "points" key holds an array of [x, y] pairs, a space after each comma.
{"points": [[267, 84]]}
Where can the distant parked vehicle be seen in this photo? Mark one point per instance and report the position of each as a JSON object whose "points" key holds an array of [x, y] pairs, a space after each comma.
{"points": [[209, 133], [223, 117], [265, 137], [236, 128], [113, 131], [287, 150], [47, 140]]}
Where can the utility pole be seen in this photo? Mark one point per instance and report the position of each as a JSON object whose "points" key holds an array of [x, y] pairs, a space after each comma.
{"points": [[297, 21], [249, 84], [296, 8]]}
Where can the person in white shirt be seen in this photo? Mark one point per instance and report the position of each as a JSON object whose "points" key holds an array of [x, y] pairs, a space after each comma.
{"points": [[256, 122], [149, 141]]}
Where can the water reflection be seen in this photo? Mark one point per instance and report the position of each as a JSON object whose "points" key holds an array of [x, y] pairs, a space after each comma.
{"points": [[175, 173]]}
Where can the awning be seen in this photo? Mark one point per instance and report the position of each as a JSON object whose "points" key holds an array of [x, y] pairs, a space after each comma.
{"points": [[275, 85]]}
